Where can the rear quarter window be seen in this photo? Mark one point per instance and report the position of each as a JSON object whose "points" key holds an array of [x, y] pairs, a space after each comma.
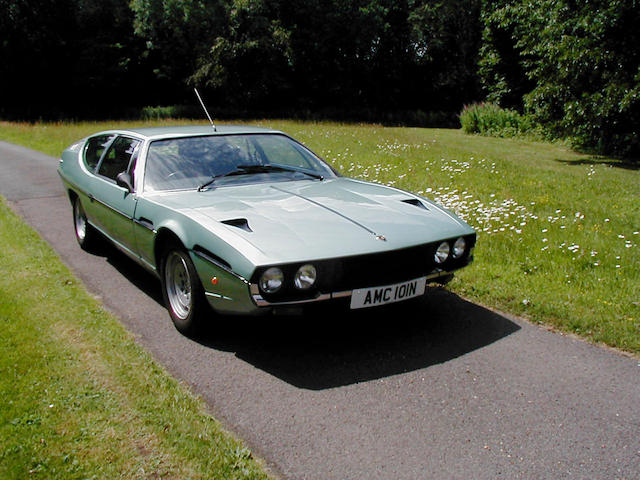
{"points": [[94, 149]]}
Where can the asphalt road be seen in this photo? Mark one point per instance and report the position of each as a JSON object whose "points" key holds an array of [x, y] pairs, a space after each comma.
{"points": [[441, 390]]}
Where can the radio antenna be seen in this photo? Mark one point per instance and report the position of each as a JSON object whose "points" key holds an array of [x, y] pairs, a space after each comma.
{"points": [[205, 110]]}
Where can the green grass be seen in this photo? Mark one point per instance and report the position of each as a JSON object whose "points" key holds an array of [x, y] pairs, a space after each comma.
{"points": [[79, 398], [558, 231]]}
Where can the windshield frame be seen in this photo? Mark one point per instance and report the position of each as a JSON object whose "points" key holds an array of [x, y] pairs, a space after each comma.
{"points": [[325, 169]]}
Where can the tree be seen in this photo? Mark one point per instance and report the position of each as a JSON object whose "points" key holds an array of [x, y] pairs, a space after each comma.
{"points": [[355, 57], [55, 55], [345, 53], [249, 66], [108, 61], [177, 34], [574, 65], [33, 50], [503, 59], [588, 74], [445, 40]]}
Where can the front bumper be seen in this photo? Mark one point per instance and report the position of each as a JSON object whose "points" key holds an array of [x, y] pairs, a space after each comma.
{"points": [[228, 292], [321, 297]]}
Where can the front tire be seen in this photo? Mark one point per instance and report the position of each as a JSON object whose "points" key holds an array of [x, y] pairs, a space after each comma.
{"points": [[182, 291]]}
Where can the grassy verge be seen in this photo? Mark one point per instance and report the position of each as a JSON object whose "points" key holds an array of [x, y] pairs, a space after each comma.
{"points": [[79, 398], [558, 231]]}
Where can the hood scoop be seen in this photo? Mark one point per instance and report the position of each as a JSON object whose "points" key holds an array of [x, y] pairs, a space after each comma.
{"points": [[241, 223], [415, 202]]}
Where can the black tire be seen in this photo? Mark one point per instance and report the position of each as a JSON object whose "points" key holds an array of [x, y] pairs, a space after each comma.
{"points": [[85, 234], [182, 291]]}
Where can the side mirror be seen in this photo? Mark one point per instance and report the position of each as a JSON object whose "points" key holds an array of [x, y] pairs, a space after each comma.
{"points": [[124, 180]]}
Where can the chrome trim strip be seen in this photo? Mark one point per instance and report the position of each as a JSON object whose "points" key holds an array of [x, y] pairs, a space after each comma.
{"points": [[439, 273], [345, 294], [261, 302], [213, 261], [217, 295], [145, 224]]}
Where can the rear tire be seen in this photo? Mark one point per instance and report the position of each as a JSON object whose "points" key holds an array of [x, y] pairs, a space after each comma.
{"points": [[182, 291], [85, 233]]}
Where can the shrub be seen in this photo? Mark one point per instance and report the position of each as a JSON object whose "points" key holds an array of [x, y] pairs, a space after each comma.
{"points": [[170, 111], [492, 120]]}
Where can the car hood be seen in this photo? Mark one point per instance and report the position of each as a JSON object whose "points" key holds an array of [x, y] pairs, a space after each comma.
{"points": [[289, 221]]}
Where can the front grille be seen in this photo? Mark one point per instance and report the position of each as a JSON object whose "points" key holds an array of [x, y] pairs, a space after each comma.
{"points": [[370, 270], [376, 269]]}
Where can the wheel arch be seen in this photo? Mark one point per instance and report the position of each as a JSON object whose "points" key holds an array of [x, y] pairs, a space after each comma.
{"points": [[164, 237], [72, 195]]}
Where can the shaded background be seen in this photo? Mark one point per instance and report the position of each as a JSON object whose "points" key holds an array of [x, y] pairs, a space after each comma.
{"points": [[572, 67]]}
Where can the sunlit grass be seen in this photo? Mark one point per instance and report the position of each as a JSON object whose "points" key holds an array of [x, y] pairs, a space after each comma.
{"points": [[558, 230], [79, 398]]}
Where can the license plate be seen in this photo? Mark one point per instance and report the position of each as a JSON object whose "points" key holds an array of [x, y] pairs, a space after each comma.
{"points": [[374, 296]]}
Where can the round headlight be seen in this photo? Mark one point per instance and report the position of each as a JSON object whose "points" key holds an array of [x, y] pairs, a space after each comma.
{"points": [[442, 253], [271, 280], [459, 247], [305, 277]]}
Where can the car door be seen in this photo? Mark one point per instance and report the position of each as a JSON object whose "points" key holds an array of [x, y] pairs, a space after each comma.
{"points": [[92, 153], [114, 206]]}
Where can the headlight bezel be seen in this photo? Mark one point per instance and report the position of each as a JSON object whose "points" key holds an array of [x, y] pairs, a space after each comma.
{"points": [[305, 277], [276, 275], [459, 248], [288, 282], [442, 253]]}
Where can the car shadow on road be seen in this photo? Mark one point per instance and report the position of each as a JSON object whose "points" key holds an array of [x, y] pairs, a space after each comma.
{"points": [[333, 347], [142, 279], [337, 348]]}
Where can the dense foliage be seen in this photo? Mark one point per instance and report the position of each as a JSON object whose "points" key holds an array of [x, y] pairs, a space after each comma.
{"points": [[571, 67], [69, 57], [352, 59], [574, 67]]}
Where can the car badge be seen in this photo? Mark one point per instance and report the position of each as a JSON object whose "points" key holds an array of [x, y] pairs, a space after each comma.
{"points": [[381, 237]]}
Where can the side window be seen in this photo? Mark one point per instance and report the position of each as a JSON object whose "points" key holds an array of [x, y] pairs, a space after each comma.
{"points": [[119, 156], [94, 148]]}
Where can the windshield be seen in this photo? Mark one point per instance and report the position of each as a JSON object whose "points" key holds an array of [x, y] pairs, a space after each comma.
{"points": [[190, 163]]}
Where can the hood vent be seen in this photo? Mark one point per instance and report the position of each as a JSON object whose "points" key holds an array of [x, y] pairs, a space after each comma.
{"points": [[238, 223], [415, 202]]}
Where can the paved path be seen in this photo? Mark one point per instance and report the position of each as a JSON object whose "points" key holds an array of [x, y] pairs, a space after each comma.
{"points": [[445, 392]]}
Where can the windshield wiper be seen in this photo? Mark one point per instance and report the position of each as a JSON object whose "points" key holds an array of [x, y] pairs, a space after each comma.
{"points": [[250, 169], [277, 168]]}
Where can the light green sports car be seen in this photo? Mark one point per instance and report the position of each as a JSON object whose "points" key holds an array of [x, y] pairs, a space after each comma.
{"points": [[247, 220]]}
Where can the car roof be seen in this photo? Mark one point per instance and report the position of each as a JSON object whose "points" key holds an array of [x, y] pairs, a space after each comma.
{"points": [[158, 133]]}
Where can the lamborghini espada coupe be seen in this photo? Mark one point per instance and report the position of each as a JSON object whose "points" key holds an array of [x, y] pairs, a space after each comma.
{"points": [[247, 220]]}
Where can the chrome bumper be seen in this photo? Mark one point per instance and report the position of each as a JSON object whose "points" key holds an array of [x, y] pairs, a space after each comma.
{"points": [[321, 297]]}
